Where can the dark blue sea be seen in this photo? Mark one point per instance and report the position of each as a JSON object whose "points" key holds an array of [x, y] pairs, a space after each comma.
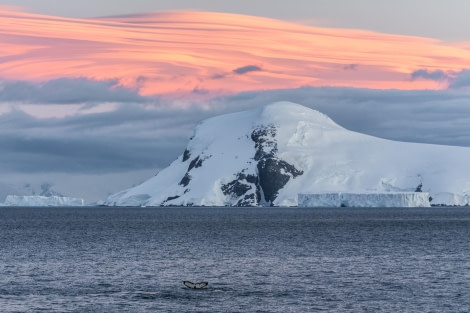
{"points": [[255, 260]]}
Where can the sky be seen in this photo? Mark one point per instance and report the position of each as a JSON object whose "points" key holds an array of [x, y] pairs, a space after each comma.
{"points": [[98, 96], [428, 18]]}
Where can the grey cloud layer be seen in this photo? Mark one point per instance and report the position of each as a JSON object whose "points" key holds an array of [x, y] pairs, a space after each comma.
{"points": [[129, 138], [455, 80], [67, 91]]}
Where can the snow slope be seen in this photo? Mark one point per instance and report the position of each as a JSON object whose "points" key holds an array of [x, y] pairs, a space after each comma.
{"points": [[269, 155]]}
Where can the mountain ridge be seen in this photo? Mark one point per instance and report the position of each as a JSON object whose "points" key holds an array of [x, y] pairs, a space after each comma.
{"points": [[268, 155]]}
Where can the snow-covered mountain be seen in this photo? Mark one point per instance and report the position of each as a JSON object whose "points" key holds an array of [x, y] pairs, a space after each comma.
{"points": [[269, 155]]}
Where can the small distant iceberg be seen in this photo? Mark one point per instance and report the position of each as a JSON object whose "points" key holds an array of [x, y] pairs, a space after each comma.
{"points": [[39, 201], [383, 200]]}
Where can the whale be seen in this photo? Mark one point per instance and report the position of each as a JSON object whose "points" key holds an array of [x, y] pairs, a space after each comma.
{"points": [[195, 285]]}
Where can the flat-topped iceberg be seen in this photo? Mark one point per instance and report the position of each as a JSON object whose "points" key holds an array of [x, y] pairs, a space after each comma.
{"points": [[42, 201], [383, 200], [448, 198]]}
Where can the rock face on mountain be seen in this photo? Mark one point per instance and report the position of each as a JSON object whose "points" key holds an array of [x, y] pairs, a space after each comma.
{"points": [[269, 155]]}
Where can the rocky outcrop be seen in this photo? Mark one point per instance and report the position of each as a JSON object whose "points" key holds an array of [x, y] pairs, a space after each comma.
{"points": [[273, 173], [244, 189], [259, 186]]}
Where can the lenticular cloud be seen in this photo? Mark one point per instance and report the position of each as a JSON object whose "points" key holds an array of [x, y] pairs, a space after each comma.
{"points": [[175, 53]]}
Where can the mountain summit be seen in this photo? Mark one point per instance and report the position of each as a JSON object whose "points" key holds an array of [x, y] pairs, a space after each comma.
{"points": [[268, 155]]}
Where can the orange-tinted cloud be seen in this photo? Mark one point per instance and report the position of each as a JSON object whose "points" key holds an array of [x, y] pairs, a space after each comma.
{"points": [[176, 53]]}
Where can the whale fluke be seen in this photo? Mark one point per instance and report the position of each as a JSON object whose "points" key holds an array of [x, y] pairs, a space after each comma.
{"points": [[195, 285]]}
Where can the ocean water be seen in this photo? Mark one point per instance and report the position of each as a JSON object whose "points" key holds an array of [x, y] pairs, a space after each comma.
{"points": [[255, 260]]}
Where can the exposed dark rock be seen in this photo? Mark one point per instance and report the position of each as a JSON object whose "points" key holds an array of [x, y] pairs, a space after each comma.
{"points": [[419, 188], [171, 198], [197, 162], [186, 155], [242, 185], [185, 180], [252, 179], [236, 188], [250, 199], [265, 144], [273, 173]]}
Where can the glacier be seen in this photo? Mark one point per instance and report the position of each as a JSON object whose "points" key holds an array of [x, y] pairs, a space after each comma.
{"points": [[269, 155], [383, 200], [12, 200]]}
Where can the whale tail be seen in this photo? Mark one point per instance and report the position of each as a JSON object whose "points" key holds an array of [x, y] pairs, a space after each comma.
{"points": [[195, 285]]}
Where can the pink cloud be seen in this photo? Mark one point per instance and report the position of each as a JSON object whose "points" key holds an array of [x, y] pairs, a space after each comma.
{"points": [[179, 52]]}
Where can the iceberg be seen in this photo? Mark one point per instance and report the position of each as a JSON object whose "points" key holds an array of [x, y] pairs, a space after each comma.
{"points": [[448, 198], [382, 200], [12, 200]]}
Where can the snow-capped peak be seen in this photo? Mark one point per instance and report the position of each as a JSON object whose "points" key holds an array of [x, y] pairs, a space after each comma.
{"points": [[268, 155]]}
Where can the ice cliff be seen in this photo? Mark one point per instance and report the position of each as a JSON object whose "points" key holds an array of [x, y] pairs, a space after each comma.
{"points": [[42, 201], [383, 200], [269, 155]]}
